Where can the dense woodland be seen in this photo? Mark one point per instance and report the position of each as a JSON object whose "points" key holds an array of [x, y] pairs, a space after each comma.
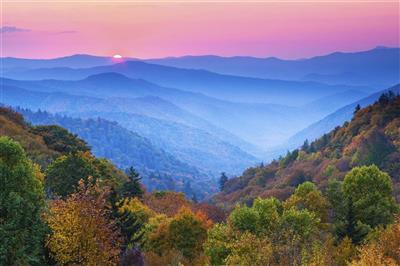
{"points": [[371, 137], [331, 202]]}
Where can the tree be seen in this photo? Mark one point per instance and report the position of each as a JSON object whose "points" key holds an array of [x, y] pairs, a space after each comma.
{"points": [[244, 219], [305, 146], [381, 248], [82, 231], [369, 201], [217, 247], [187, 233], [132, 188], [21, 206], [358, 108], [178, 239], [334, 193], [308, 196], [63, 175], [132, 217], [222, 180], [249, 250]]}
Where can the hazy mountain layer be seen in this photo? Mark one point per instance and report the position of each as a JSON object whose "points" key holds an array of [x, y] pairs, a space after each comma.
{"points": [[225, 87], [190, 145], [376, 67]]}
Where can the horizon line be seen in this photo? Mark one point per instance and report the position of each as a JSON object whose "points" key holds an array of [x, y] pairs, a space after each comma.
{"points": [[204, 55]]}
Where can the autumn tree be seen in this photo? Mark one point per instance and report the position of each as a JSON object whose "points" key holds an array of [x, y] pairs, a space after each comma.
{"points": [[381, 248], [178, 238], [21, 205], [82, 231], [188, 232], [249, 249]]}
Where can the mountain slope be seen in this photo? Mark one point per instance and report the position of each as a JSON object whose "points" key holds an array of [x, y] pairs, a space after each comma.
{"points": [[371, 137], [42, 147], [376, 67], [125, 148], [338, 117]]}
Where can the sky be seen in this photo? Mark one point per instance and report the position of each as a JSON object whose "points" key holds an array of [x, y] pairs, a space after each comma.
{"points": [[153, 29]]}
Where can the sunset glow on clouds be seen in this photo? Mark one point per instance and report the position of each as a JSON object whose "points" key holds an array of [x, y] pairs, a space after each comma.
{"points": [[287, 30]]}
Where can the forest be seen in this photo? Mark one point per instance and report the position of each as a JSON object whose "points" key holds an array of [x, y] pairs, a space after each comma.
{"points": [[330, 202]]}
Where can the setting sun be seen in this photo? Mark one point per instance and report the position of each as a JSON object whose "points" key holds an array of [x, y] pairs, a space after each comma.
{"points": [[117, 56]]}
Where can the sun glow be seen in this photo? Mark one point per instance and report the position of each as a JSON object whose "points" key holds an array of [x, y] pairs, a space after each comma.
{"points": [[117, 56]]}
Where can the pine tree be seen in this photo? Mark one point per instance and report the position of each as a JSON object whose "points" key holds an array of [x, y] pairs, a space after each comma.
{"points": [[132, 188], [358, 107], [222, 180]]}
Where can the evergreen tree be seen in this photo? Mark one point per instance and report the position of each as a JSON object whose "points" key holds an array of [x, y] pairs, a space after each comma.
{"points": [[305, 146], [358, 107], [222, 180], [132, 188]]}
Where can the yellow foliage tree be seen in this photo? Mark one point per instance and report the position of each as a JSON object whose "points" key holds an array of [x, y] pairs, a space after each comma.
{"points": [[82, 233], [383, 248], [249, 249]]}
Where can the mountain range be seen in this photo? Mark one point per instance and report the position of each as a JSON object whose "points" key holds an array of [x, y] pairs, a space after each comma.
{"points": [[375, 67], [188, 119]]}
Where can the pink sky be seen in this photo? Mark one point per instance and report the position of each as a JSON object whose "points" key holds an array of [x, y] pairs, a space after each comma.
{"points": [[149, 30]]}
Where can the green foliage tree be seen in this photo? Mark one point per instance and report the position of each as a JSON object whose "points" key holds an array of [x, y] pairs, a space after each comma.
{"points": [[187, 233], [63, 174], [217, 247], [21, 205], [244, 218], [368, 193], [307, 196], [334, 193]]}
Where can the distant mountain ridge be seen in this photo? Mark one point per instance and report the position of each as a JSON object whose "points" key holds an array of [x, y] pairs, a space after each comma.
{"points": [[73, 61], [225, 87], [376, 67]]}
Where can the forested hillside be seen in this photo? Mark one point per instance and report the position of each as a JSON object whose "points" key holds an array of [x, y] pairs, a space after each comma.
{"points": [[159, 169], [371, 137], [42, 145]]}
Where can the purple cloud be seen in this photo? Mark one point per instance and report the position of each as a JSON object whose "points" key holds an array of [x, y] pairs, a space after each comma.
{"points": [[12, 29]]}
